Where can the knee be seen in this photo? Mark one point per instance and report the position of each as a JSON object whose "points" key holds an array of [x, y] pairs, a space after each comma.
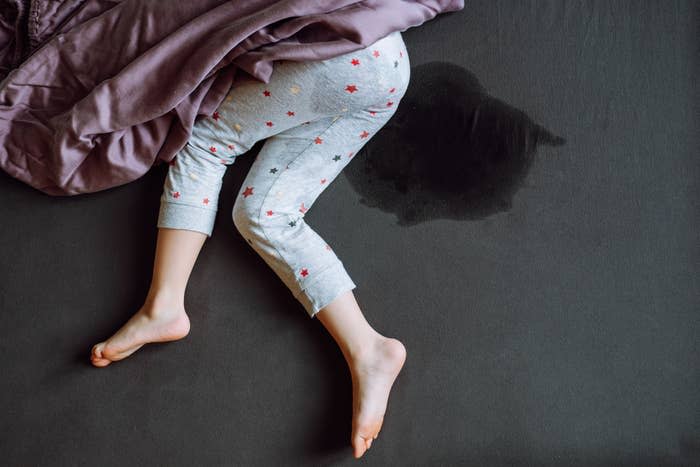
{"points": [[244, 218], [251, 220], [255, 221]]}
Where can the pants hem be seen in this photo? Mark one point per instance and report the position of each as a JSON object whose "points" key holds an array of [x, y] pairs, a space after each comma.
{"points": [[328, 285], [184, 216]]}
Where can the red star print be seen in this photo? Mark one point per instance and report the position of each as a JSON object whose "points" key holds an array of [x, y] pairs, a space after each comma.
{"points": [[355, 62], [230, 146], [215, 116], [176, 194], [248, 191], [372, 113], [376, 53], [266, 92], [323, 180], [389, 104], [364, 134], [350, 155], [351, 88], [223, 161], [205, 201], [268, 123], [269, 213], [302, 209], [290, 113], [392, 89], [212, 149], [318, 140], [304, 272]]}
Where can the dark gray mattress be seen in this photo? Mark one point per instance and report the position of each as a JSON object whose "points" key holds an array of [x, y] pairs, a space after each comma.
{"points": [[547, 290]]}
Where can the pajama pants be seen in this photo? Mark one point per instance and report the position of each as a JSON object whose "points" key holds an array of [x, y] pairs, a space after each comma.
{"points": [[315, 116]]}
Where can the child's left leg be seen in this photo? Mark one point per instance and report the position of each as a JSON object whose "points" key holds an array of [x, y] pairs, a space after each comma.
{"points": [[162, 317]]}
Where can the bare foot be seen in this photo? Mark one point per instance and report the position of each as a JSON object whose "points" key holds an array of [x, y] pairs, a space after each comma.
{"points": [[373, 374], [160, 322]]}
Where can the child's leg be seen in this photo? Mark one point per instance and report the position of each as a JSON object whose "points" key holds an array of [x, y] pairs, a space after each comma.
{"points": [[162, 317], [292, 169], [374, 361], [185, 220], [343, 103], [290, 172]]}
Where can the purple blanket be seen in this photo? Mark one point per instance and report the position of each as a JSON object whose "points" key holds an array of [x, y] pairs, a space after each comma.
{"points": [[95, 92]]}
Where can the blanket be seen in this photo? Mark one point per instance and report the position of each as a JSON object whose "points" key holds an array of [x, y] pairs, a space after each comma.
{"points": [[96, 92]]}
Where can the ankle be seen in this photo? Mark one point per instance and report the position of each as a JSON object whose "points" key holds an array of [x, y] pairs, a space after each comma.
{"points": [[364, 349], [382, 352], [159, 302]]}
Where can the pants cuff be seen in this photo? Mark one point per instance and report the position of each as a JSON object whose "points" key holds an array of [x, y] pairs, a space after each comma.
{"points": [[325, 288], [184, 216]]}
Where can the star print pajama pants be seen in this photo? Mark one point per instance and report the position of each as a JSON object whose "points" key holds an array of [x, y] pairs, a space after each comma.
{"points": [[315, 116]]}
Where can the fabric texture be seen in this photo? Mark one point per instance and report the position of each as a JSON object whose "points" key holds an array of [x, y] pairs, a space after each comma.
{"points": [[94, 92], [315, 116]]}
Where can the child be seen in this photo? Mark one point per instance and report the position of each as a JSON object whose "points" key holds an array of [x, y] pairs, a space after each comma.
{"points": [[315, 116]]}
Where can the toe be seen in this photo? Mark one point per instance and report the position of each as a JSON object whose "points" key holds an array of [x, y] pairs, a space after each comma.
{"points": [[103, 363], [100, 362], [359, 446], [363, 436], [97, 350], [96, 356]]}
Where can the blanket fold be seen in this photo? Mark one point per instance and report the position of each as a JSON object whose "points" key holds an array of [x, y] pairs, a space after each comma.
{"points": [[94, 92]]}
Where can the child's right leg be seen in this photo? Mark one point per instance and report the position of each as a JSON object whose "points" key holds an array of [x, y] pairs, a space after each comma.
{"points": [[292, 169]]}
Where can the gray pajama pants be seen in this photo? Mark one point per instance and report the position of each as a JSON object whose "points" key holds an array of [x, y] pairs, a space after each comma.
{"points": [[315, 116]]}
